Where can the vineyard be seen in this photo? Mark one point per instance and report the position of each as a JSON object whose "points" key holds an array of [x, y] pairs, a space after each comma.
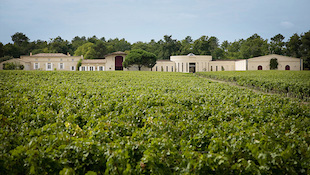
{"points": [[290, 83], [147, 123]]}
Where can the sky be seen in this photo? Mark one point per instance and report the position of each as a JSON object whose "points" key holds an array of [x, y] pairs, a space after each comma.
{"points": [[144, 20]]}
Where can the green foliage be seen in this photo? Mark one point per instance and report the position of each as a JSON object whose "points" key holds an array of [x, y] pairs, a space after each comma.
{"points": [[254, 46], [86, 50], [5, 58], [140, 58], [277, 45], [79, 64], [12, 66], [146, 123], [273, 64]]}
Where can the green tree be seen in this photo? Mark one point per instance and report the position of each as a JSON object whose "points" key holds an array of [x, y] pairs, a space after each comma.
{"points": [[293, 46], [254, 46], [168, 47], [140, 58], [86, 50], [305, 47], [277, 45], [233, 50], [273, 64], [186, 46], [20, 39], [11, 50], [58, 45], [77, 42], [139, 45], [218, 54], [92, 39], [201, 46], [116, 44], [100, 49], [1, 50]]}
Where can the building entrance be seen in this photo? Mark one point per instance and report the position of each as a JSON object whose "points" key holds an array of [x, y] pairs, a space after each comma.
{"points": [[118, 63], [192, 67]]}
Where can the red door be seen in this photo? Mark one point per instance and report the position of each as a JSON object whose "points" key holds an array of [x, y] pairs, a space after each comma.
{"points": [[118, 63], [260, 67], [287, 67]]}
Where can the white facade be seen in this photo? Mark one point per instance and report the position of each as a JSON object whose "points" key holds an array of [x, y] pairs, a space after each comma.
{"points": [[203, 63], [241, 65]]}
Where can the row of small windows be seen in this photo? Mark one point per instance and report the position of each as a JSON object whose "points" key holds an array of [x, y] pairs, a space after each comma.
{"points": [[49, 66], [287, 67], [91, 68]]}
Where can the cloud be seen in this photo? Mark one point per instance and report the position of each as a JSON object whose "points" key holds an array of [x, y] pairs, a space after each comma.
{"points": [[287, 24]]}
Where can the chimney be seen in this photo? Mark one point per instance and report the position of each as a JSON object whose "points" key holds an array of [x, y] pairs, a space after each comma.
{"points": [[68, 54], [30, 53]]}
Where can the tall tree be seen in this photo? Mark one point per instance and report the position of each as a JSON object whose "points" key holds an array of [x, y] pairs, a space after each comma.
{"points": [[277, 45], [169, 47], [58, 45], [77, 42], [254, 46], [201, 46], [1, 50], [186, 46], [20, 39], [293, 46], [305, 47], [116, 44], [140, 58], [86, 50], [100, 49], [11, 50]]}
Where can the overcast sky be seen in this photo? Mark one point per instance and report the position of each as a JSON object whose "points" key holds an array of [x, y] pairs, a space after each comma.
{"points": [[143, 20]]}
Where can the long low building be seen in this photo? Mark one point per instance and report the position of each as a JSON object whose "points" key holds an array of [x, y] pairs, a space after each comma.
{"points": [[182, 63], [202, 63]]}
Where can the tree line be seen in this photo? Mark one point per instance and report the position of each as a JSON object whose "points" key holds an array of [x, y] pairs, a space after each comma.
{"points": [[298, 45]]}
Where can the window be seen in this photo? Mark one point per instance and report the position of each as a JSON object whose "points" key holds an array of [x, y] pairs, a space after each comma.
{"points": [[61, 65], [49, 66], [61, 59], [72, 59], [82, 68], [73, 68], [156, 68], [100, 68], [91, 68], [171, 68], [182, 67], [36, 66], [166, 68]]}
